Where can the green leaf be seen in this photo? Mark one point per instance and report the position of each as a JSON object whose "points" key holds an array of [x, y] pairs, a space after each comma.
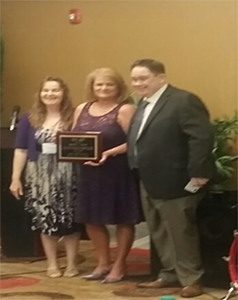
{"points": [[225, 133]]}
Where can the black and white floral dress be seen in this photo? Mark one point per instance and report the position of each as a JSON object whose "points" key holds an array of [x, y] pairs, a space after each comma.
{"points": [[50, 190]]}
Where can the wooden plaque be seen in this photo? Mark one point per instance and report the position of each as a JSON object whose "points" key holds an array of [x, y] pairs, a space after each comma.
{"points": [[78, 146]]}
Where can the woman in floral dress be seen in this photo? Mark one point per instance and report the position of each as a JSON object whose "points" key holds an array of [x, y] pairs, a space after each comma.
{"points": [[49, 189]]}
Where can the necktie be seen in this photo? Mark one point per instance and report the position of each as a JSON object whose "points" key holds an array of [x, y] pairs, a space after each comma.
{"points": [[135, 126]]}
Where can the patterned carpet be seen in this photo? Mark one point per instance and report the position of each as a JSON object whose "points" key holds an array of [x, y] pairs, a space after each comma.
{"points": [[27, 281]]}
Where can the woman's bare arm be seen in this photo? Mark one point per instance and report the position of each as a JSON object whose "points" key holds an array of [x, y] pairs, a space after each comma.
{"points": [[77, 113], [19, 162]]}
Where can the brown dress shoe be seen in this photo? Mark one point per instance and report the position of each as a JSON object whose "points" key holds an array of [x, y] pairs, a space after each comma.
{"points": [[192, 290], [157, 284]]}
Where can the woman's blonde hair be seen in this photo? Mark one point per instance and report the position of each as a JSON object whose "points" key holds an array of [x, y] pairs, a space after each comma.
{"points": [[111, 74], [38, 111]]}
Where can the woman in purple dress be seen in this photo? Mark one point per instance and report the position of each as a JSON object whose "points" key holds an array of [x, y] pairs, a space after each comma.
{"points": [[108, 192]]}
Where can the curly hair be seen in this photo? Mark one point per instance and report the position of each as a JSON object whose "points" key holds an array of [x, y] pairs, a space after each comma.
{"points": [[38, 111], [114, 76]]}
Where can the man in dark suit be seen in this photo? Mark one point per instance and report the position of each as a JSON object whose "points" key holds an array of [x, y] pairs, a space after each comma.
{"points": [[170, 143]]}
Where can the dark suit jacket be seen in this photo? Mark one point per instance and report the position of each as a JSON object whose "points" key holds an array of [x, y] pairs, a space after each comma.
{"points": [[175, 144]]}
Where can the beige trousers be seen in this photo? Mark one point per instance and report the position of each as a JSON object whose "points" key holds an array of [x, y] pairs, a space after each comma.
{"points": [[173, 229]]}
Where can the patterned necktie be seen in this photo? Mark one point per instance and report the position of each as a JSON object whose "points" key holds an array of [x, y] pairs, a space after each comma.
{"points": [[131, 151]]}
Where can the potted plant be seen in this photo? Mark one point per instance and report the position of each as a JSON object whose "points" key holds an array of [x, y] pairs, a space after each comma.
{"points": [[225, 130], [217, 212]]}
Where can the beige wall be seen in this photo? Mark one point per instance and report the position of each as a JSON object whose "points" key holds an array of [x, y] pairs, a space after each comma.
{"points": [[197, 41]]}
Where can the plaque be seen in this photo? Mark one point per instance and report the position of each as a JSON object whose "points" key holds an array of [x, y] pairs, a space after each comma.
{"points": [[78, 146]]}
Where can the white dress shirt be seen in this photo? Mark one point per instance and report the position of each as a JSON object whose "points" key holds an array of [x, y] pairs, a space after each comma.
{"points": [[152, 101]]}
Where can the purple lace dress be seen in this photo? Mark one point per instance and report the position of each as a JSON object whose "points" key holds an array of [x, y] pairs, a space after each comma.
{"points": [[107, 194]]}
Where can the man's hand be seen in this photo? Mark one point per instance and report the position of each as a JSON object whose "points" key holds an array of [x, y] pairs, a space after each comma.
{"points": [[199, 182]]}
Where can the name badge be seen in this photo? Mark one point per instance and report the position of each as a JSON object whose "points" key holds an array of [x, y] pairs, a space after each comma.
{"points": [[49, 148]]}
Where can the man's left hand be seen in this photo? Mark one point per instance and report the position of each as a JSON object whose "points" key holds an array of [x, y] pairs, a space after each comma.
{"points": [[199, 182]]}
